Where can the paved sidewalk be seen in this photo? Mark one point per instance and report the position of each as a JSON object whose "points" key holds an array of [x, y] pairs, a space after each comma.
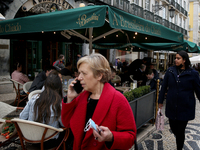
{"points": [[165, 140]]}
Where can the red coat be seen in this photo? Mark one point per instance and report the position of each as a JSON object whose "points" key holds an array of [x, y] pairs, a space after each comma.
{"points": [[112, 111]]}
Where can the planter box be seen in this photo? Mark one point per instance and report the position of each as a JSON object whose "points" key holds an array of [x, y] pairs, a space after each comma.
{"points": [[143, 108]]}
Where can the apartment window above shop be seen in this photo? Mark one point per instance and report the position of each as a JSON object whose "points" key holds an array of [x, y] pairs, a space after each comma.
{"points": [[180, 22], [164, 13], [156, 8], [180, 2], [136, 2], [184, 5], [176, 19], [184, 23], [147, 4]]}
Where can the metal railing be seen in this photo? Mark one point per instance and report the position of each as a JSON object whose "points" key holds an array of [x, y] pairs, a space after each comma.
{"points": [[166, 23], [136, 10], [177, 6], [148, 15], [158, 19]]}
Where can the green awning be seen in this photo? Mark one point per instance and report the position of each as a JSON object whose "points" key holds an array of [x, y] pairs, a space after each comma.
{"points": [[92, 24], [186, 46]]}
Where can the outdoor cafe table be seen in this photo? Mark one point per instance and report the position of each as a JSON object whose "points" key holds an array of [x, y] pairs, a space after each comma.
{"points": [[3, 140], [121, 88]]}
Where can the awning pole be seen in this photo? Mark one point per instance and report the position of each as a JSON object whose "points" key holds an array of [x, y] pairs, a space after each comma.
{"points": [[90, 39]]}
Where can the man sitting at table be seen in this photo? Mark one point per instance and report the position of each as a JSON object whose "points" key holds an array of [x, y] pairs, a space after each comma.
{"points": [[67, 70], [38, 82], [152, 79], [113, 73]]}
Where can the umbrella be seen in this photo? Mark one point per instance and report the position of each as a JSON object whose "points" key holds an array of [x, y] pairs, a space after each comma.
{"points": [[195, 59]]}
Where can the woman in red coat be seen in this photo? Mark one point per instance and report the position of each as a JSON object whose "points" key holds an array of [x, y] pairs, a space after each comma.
{"points": [[99, 101]]}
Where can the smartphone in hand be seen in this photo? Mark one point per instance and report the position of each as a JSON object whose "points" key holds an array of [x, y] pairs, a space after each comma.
{"points": [[78, 87]]}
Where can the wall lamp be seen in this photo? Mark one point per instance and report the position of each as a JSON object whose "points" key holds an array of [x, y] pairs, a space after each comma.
{"points": [[160, 7]]}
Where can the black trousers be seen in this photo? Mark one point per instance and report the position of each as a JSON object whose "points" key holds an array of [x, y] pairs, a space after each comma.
{"points": [[178, 129]]}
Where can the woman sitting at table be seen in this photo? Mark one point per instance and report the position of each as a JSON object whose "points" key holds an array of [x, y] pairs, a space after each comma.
{"points": [[49, 105], [108, 108]]}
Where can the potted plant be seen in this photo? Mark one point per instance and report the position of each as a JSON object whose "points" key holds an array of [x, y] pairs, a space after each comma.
{"points": [[142, 101]]}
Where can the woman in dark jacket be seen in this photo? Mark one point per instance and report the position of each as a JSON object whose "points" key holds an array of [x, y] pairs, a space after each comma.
{"points": [[181, 81]]}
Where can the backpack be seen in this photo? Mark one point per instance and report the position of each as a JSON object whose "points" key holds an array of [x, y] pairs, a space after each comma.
{"points": [[55, 62]]}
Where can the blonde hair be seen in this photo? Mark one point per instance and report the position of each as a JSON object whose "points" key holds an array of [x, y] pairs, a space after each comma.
{"points": [[98, 64]]}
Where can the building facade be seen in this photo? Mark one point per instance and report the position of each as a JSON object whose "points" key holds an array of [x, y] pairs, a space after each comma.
{"points": [[194, 21]]}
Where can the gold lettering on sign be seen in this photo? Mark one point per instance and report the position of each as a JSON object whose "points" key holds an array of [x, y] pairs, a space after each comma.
{"points": [[115, 19], [83, 20], [12, 27]]}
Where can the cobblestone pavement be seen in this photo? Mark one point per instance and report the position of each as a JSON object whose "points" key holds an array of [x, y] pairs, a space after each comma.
{"points": [[165, 140]]}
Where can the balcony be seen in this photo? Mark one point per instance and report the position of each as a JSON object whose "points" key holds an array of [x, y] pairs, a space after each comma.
{"points": [[126, 5], [177, 28], [158, 19], [182, 10], [177, 6], [185, 13], [172, 26], [172, 2], [148, 15], [185, 32], [166, 23], [136, 10], [181, 30]]}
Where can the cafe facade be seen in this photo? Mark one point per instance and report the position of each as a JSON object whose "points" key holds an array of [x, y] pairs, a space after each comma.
{"points": [[34, 53]]}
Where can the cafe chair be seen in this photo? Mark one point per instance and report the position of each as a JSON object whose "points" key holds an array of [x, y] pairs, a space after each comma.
{"points": [[31, 132], [34, 93], [5, 109], [19, 97], [26, 86]]}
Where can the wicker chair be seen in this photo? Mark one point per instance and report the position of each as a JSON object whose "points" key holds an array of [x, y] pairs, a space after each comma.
{"points": [[18, 87], [27, 86], [34, 132], [33, 93]]}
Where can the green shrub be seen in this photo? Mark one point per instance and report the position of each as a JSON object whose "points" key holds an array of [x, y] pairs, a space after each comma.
{"points": [[137, 92]]}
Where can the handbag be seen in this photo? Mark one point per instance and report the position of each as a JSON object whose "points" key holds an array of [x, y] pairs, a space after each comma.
{"points": [[159, 120]]}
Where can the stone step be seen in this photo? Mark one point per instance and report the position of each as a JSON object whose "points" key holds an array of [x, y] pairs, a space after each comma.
{"points": [[8, 97], [6, 87]]}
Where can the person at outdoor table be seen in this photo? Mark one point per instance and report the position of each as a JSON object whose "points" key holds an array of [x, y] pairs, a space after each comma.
{"points": [[181, 82], [18, 76], [108, 108], [59, 64], [113, 73], [38, 82], [152, 79], [140, 75], [67, 70], [46, 108]]}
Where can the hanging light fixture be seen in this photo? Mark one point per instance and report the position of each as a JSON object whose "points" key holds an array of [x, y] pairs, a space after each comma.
{"points": [[160, 7]]}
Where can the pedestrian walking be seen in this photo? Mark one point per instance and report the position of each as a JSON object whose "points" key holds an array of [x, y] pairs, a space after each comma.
{"points": [[181, 81], [108, 108]]}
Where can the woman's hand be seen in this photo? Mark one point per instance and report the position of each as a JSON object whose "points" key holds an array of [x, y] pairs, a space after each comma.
{"points": [[71, 93], [104, 134], [160, 105]]}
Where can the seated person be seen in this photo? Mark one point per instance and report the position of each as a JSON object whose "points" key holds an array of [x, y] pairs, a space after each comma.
{"points": [[139, 75], [113, 73], [59, 64], [38, 82], [152, 79], [49, 101], [67, 70], [18, 76]]}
